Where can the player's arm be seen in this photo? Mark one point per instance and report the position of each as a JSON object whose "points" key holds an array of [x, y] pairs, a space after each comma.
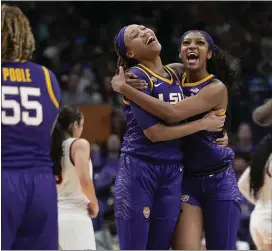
{"points": [[161, 132], [263, 114], [80, 153], [208, 98], [156, 131], [54, 91], [244, 186], [178, 67], [53, 87], [132, 80]]}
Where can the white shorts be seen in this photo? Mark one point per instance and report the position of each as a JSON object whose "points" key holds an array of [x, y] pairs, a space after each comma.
{"points": [[76, 232], [261, 227]]}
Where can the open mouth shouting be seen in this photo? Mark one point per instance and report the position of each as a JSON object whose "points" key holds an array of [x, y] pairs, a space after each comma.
{"points": [[192, 58]]}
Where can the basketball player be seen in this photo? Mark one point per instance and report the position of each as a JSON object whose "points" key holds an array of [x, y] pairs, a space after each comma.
{"points": [[147, 189], [76, 195], [30, 104], [256, 185], [210, 192]]}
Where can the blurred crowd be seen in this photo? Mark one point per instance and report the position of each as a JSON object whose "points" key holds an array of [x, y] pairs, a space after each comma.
{"points": [[75, 40]]}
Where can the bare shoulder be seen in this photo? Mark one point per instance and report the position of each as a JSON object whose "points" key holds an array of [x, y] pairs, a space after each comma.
{"points": [[81, 144], [178, 67], [216, 86], [219, 83]]}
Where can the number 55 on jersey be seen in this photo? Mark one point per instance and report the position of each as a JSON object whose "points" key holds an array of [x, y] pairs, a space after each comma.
{"points": [[30, 104]]}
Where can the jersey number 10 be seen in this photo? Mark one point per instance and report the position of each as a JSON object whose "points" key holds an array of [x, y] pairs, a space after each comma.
{"points": [[18, 115]]}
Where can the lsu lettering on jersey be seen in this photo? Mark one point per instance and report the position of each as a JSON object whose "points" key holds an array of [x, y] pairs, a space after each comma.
{"points": [[30, 104], [135, 142], [200, 151]]}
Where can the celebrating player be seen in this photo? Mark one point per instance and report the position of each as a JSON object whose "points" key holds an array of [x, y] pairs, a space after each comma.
{"points": [[30, 103], [147, 189], [210, 192], [76, 195]]}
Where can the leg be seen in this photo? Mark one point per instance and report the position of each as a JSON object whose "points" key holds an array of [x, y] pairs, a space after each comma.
{"points": [[41, 212], [221, 209], [14, 198], [260, 229], [253, 227], [135, 186], [221, 223], [132, 234], [76, 232], [166, 209], [189, 227]]}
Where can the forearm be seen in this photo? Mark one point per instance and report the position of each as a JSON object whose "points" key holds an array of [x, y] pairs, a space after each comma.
{"points": [[263, 114], [244, 186], [161, 132], [89, 190], [152, 105]]}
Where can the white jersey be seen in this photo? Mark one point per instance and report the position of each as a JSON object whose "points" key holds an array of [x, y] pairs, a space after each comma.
{"points": [[261, 217], [265, 193], [70, 194], [75, 226]]}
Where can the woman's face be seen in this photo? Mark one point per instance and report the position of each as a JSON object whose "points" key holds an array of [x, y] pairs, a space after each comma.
{"points": [[141, 42], [194, 51]]}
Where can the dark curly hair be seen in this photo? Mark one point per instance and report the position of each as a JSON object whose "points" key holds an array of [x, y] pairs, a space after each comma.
{"points": [[222, 67], [18, 42], [258, 164]]}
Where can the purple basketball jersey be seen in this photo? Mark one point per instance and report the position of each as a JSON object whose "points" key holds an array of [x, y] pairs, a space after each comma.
{"points": [[30, 102], [166, 89], [200, 151]]}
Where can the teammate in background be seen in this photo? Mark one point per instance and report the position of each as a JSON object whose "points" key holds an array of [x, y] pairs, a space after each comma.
{"points": [[210, 193], [30, 104], [256, 185], [147, 188], [76, 194]]}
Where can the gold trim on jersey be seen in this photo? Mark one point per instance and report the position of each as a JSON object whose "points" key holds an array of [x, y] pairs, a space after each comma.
{"points": [[168, 67], [126, 102], [195, 83], [49, 87], [158, 76], [20, 61]]}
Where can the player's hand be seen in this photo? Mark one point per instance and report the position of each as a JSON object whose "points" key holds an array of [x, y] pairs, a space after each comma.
{"points": [[131, 79], [93, 209], [223, 141], [118, 81], [212, 122]]}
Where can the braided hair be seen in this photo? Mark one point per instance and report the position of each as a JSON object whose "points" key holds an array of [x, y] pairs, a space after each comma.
{"points": [[18, 43]]}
